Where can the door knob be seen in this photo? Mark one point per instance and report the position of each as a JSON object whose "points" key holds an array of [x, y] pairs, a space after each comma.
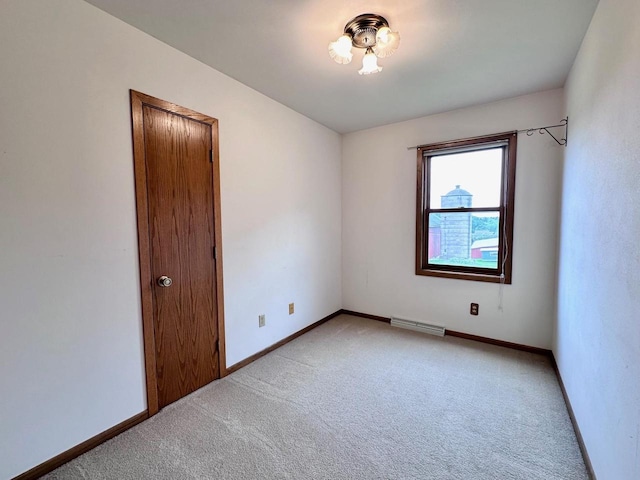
{"points": [[164, 281]]}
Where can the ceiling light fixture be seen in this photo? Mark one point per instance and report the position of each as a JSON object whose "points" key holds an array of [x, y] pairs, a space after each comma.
{"points": [[370, 32]]}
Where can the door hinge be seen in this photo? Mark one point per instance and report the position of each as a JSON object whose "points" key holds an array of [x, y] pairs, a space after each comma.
{"points": [[215, 253], [211, 156]]}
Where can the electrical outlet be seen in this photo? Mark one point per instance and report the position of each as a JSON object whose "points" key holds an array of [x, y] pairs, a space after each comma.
{"points": [[475, 308], [291, 309], [262, 320]]}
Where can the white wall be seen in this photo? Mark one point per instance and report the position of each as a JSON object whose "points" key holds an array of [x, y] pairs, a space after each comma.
{"points": [[598, 333], [378, 224], [71, 362]]}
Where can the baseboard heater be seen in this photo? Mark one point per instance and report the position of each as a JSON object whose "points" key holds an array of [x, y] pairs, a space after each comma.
{"points": [[418, 326]]}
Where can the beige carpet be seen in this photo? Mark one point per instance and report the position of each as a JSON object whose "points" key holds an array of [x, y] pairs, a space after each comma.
{"points": [[358, 399]]}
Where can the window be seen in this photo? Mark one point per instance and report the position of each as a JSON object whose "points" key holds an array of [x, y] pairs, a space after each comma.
{"points": [[464, 220]]}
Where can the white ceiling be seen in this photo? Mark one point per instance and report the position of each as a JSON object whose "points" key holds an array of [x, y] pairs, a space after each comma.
{"points": [[453, 53]]}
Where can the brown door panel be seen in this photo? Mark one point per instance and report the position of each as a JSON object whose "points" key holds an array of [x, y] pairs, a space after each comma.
{"points": [[181, 235]]}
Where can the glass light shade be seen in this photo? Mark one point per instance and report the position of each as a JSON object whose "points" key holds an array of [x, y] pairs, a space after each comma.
{"points": [[369, 64], [386, 42], [340, 50]]}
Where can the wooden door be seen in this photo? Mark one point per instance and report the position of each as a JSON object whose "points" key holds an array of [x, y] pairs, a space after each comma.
{"points": [[176, 178]]}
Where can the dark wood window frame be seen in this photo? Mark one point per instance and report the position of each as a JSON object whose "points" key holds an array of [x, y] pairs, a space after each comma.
{"points": [[502, 274]]}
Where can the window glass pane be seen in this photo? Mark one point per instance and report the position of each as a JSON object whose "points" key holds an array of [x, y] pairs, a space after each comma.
{"points": [[469, 179], [464, 239]]}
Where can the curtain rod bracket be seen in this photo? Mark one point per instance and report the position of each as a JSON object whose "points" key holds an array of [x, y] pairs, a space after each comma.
{"points": [[542, 130]]}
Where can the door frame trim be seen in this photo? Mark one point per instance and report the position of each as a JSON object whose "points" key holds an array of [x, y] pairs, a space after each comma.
{"points": [[138, 101]]}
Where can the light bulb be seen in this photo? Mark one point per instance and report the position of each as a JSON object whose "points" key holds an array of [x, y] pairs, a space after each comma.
{"points": [[343, 45], [340, 50], [386, 42], [383, 35], [369, 63]]}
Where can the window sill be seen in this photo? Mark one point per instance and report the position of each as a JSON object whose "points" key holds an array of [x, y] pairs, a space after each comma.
{"points": [[478, 277]]}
